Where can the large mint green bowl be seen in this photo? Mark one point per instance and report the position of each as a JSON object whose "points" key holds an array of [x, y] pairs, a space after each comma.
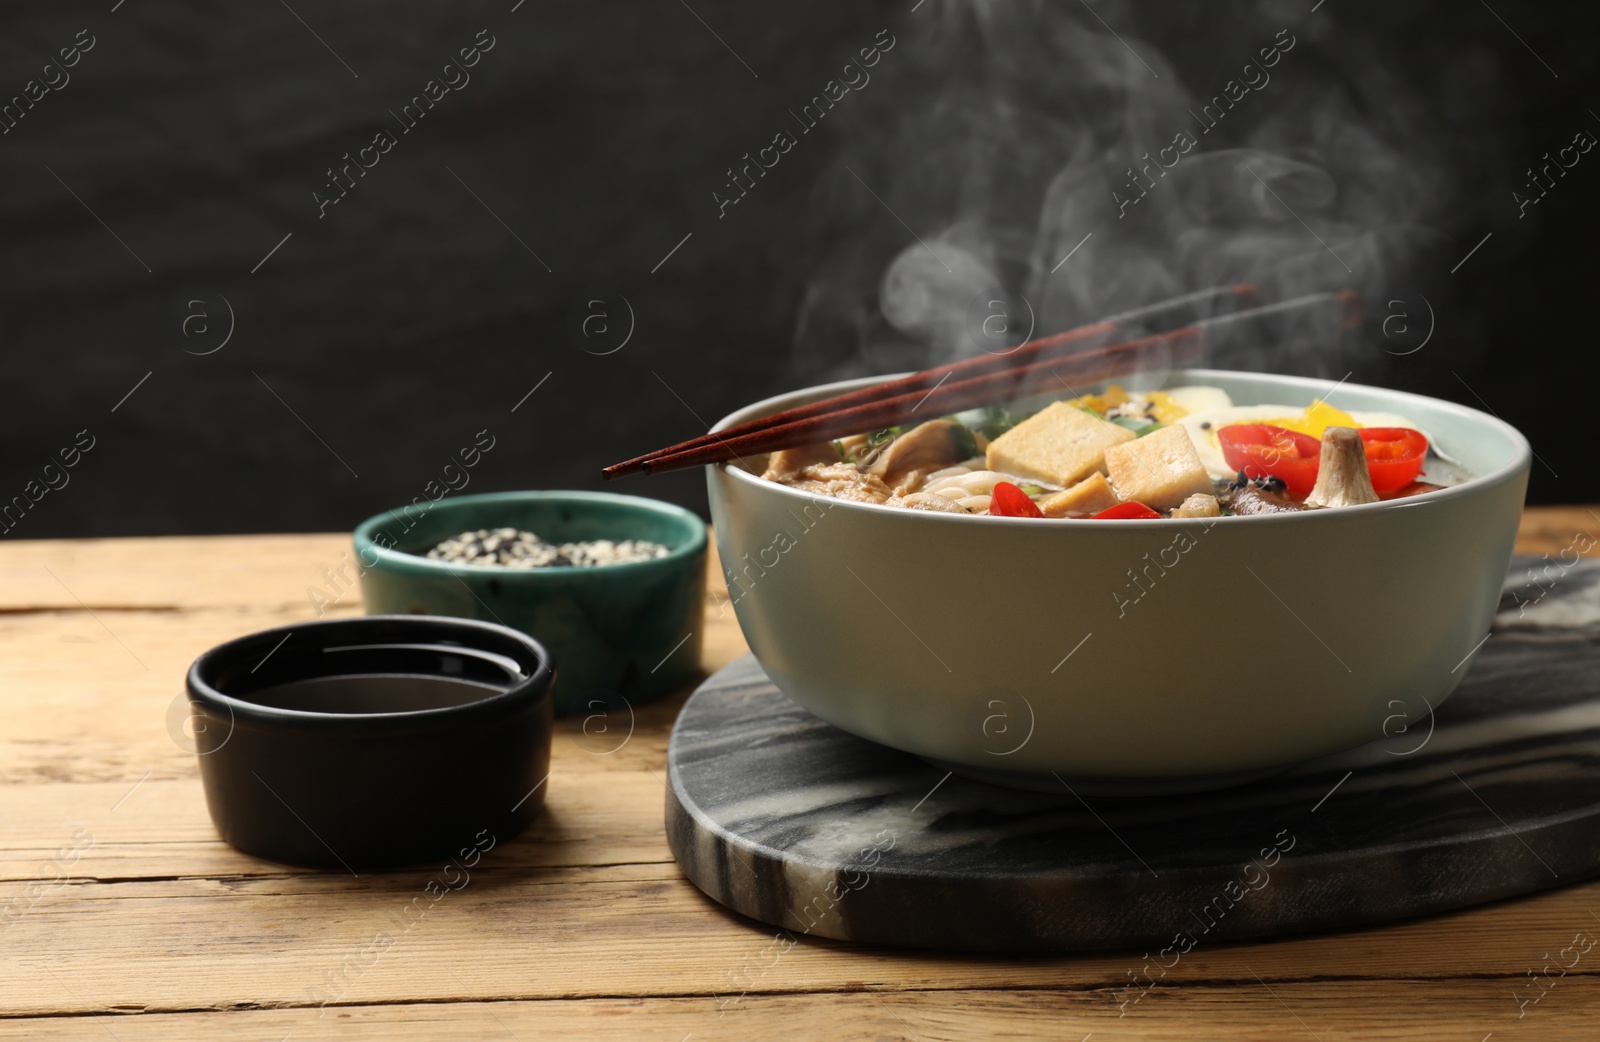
{"points": [[1127, 656], [622, 632]]}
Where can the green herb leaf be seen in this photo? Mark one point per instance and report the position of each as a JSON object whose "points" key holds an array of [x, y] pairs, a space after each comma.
{"points": [[998, 420], [964, 440], [1137, 424]]}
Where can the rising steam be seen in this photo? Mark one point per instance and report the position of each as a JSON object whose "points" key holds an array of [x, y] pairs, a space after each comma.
{"points": [[1275, 149]]}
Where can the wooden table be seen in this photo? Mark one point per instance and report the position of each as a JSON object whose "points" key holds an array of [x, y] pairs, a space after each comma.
{"points": [[130, 920]]}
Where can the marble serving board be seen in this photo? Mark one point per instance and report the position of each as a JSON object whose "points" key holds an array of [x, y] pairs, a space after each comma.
{"points": [[793, 822]]}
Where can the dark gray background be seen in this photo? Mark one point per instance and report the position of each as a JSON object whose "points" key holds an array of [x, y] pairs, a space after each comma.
{"points": [[409, 318]]}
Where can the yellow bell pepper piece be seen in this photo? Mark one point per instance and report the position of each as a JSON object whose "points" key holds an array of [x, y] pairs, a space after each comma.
{"points": [[1318, 417], [1112, 397], [1163, 408]]}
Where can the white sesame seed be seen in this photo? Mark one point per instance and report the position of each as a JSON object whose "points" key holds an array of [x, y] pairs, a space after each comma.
{"points": [[509, 547]]}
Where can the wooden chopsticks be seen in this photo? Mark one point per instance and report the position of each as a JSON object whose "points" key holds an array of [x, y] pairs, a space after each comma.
{"points": [[1154, 318], [1033, 368]]}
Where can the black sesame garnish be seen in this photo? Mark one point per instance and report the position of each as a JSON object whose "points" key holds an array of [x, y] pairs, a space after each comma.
{"points": [[1268, 483], [514, 548], [1205, 425]]}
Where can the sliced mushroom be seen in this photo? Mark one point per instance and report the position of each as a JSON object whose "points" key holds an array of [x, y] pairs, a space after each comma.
{"points": [[857, 448], [1251, 499], [928, 501], [1342, 479], [1198, 505], [839, 480], [928, 447], [786, 463]]}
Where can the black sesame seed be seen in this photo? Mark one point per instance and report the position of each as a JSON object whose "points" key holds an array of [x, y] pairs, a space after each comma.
{"points": [[508, 547], [1205, 425]]}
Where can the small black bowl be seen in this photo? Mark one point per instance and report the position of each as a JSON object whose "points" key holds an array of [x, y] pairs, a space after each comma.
{"points": [[373, 742]]}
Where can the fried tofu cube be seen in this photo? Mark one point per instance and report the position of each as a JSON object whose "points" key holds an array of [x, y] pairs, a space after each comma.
{"points": [[1060, 444], [1160, 470], [1085, 499]]}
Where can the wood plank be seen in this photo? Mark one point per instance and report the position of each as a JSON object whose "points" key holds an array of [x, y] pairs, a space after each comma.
{"points": [[582, 928], [1549, 530], [171, 572], [635, 930], [1240, 1011]]}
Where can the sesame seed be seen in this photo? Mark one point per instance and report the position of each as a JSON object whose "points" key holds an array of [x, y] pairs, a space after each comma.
{"points": [[512, 548]]}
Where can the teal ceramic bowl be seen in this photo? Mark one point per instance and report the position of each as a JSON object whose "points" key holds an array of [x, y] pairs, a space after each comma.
{"points": [[620, 633], [1128, 656]]}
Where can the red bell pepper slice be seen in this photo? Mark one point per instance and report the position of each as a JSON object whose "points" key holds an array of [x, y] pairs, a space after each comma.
{"points": [[1008, 500], [1394, 456], [1130, 511], [1261, 449]]}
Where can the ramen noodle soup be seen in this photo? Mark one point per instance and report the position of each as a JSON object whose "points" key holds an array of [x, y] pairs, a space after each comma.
{"points": [[1180, 452]]}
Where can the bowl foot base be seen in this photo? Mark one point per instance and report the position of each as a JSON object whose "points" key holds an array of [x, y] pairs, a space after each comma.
{"points": [[1091, 785]]}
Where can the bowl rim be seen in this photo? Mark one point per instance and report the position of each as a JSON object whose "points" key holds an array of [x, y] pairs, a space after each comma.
{"points": [[402, 559], [536, 685], [1520, 462]]}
